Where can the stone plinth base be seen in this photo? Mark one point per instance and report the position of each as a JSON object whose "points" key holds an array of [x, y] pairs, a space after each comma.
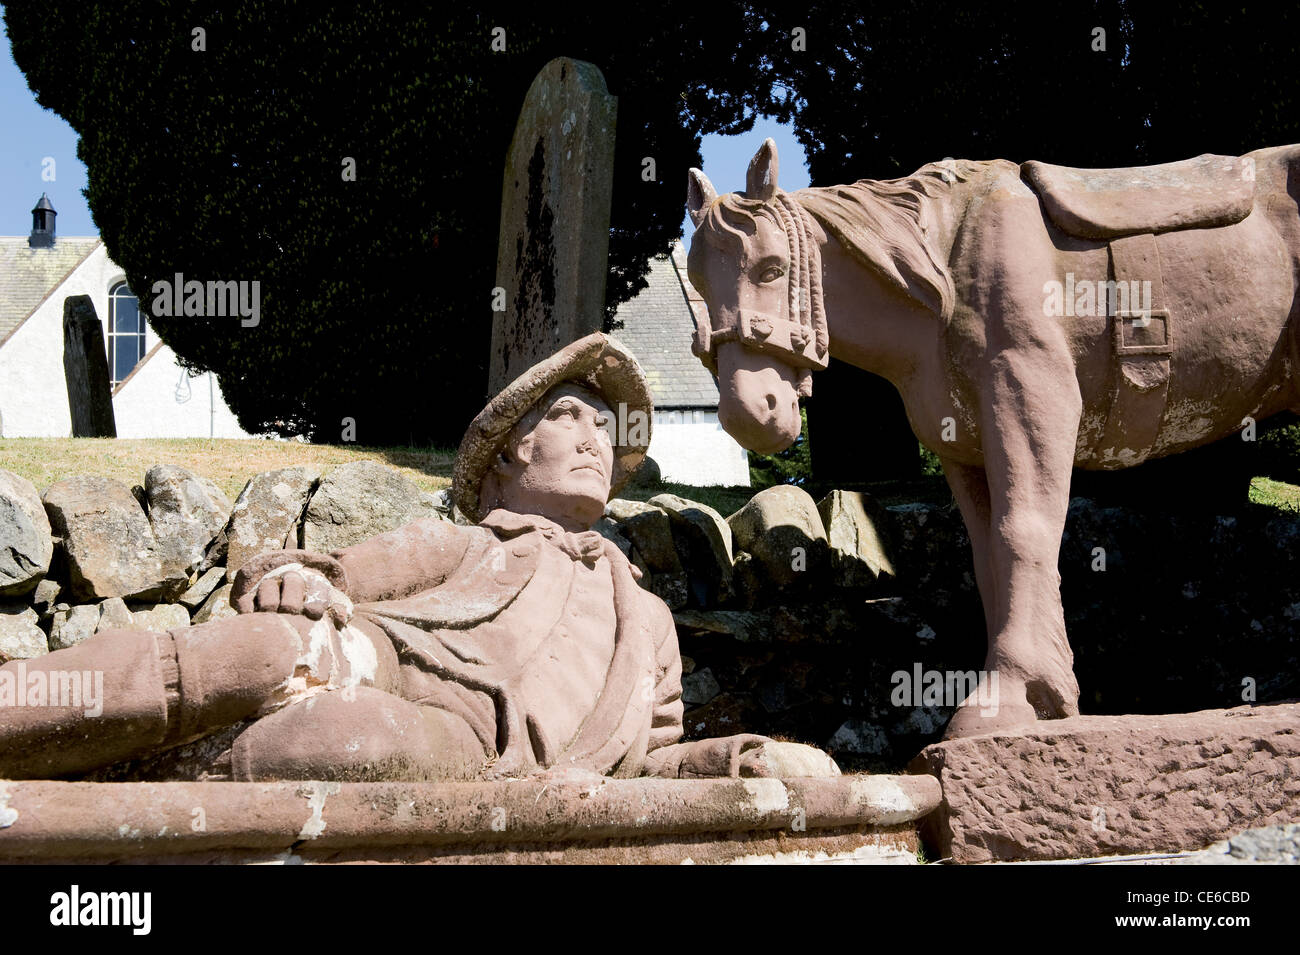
{"points": [[1114, 785], [576, 819]]}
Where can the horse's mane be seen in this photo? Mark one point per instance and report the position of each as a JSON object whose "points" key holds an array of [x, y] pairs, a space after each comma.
{"points": [[892, 227]]}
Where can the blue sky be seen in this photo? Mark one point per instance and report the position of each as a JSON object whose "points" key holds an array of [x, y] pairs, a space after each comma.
{"points": [[28, 134]]}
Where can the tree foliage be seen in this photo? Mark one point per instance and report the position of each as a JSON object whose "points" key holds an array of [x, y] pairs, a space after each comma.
{"points": [[226, 164]]}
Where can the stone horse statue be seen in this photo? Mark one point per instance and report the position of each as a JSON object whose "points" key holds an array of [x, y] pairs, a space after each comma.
{"points": [[1034, 318]]}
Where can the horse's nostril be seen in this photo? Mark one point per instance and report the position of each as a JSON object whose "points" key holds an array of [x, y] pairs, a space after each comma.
{"points": [[771, 402]]}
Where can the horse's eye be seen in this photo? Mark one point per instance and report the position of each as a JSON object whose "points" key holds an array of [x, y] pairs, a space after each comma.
{"points": [[772, 274]]}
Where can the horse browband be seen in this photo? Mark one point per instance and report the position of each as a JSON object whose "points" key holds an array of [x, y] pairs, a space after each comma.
{"points": [[802, 344]]}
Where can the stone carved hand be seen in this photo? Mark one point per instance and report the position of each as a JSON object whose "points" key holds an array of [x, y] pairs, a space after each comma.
{"points": [[295, 589], [780, 760]]}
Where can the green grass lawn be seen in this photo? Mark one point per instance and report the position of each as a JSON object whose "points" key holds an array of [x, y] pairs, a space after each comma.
{"points": [[228, 462]]}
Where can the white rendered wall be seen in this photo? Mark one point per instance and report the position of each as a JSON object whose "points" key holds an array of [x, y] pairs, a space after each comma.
{"points": [[690, 447], [34, 393], [161, 400]]}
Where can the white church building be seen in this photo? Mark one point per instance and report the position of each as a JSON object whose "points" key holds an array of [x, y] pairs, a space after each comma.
{"points": [[687, 441], [153, 397]]}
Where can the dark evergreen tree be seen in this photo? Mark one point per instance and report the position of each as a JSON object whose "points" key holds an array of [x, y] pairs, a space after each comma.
{"points": [[226, 163]]}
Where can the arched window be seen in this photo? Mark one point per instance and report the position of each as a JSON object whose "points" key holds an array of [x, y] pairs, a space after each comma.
{"points": [[125, 332]]}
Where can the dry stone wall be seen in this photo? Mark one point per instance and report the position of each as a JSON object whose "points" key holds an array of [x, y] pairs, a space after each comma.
{"points": [[808, 619]]}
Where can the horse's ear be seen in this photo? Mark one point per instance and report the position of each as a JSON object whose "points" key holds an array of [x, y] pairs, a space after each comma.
{"points": [[760, 180], [699, 195]]}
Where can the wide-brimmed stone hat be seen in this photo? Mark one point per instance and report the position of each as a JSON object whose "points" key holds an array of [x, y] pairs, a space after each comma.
{"points": [[597, 362]]}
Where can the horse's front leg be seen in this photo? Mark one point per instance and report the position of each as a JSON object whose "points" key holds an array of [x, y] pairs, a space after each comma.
{"points": [[1029, 427]]}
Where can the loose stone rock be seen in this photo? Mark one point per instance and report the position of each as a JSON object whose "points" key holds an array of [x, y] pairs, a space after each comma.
{"points": [[21, 637], [202, 589], [25, 542], [649, 528], [855, 525], [114, 614], [266, 512], [217, 607], [185, 511], [160, 617], [699, 687], [110, 547], [702, 533], [70, 627], [357, 501], [860, 738], [780, 526], [46, 597]]}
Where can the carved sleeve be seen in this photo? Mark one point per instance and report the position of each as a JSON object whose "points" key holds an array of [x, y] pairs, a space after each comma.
{"points": [[415, 557]]}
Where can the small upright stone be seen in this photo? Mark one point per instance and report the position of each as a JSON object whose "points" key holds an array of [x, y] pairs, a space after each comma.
{"points": [[85, 370]]}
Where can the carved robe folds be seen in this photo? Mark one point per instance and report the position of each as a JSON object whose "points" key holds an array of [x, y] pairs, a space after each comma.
{"points": [[537, 640]]}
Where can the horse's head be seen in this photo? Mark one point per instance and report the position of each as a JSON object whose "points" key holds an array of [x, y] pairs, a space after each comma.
{"points": [[754, 262]]}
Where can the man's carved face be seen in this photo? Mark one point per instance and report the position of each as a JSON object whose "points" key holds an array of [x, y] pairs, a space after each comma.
{"points": [[559, 460]]}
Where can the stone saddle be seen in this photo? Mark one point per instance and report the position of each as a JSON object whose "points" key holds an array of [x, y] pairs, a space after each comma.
{"points": [[1202, 193]]}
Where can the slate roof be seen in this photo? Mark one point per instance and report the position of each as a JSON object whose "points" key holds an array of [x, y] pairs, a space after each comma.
{"points": [[28, 275], [658, 326]]}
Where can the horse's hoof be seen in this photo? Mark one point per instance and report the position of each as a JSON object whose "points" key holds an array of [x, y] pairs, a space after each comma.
{"points": [[972, 721]]}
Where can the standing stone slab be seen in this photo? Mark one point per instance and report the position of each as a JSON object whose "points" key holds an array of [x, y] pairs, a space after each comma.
{"points": [[25, 542], [355, 502], [555, 202], [85, 367], [266, 511], [107, 541], [1114, 785]]}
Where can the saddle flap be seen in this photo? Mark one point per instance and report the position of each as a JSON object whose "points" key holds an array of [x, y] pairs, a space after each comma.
{"points": [[1202, 193]]}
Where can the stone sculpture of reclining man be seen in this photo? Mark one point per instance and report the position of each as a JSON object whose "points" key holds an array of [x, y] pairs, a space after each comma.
{"points": [[435, 651]]}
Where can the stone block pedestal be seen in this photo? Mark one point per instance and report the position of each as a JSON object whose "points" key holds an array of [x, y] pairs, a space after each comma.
{"points": [[576, 819], [1114, 785]]}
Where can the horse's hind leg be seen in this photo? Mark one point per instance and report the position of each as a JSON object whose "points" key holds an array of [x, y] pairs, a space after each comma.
{"points": [[1029, 428]]}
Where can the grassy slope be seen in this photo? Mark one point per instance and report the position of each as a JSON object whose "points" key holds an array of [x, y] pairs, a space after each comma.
{"points": [[230, 463]]}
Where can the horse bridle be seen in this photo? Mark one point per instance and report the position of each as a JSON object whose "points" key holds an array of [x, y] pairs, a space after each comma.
{"points": [[804, 345]]}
